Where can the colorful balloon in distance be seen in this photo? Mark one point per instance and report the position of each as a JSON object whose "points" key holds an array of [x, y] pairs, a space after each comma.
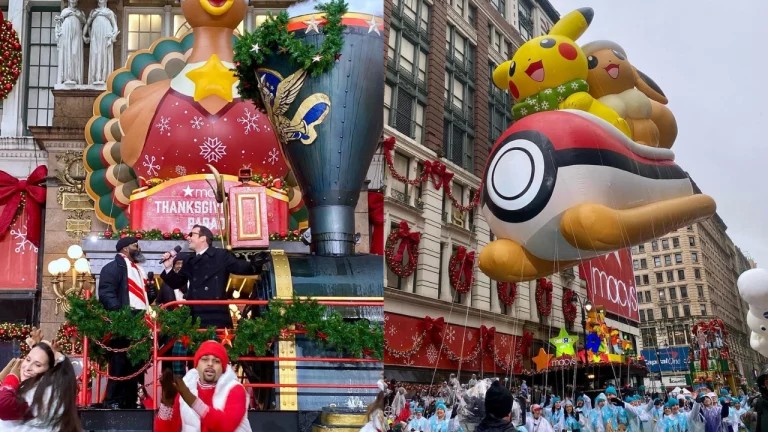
{"points": [[753, 288], [566, 183]]}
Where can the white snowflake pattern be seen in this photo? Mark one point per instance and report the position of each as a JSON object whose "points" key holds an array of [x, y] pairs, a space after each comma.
{"points": [[409, 361], [450, 334], [22, 242], [503, 342], [392, 330], [249, 121], [548, 91], [524, 111], [574, 85], [544, 105], [416, 338], [180, 170], [164, 125], [274, 156], [213, 149], [560, 98], [431, 354], [468, 335], [196, 122], [149, 163], [561, 88]]}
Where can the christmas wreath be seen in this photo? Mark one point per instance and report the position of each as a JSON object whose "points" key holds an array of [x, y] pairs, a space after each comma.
{"points": [[409, 242], [569, 309], [544, 297], [507, 292], [10, 55], [10, 332], [273, 37], [460, 270]]}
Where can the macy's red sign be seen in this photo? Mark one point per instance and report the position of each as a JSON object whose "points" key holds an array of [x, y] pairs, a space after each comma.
{"points": [[611, 283]]}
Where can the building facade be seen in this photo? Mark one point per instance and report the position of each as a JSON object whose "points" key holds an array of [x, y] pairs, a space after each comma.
{"points": [[689, 276]]}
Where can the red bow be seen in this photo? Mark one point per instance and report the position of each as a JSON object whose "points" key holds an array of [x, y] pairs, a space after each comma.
{"points": [[466, 264], [434, 328], [487, 335], [407, 239], [11, 192], [388, 144], [437, 172]]}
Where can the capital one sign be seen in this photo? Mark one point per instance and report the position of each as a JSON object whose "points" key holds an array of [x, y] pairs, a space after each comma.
{"points": [[611, 283]]}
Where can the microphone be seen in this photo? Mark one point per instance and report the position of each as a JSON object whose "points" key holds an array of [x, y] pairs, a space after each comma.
{"points": [[177, 249]]}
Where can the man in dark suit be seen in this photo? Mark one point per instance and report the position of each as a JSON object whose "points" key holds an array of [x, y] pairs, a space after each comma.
{"points": [[207, 270], [123, 283]]}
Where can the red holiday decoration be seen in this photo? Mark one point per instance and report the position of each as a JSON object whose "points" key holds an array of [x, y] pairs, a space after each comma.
{"points": [[487, 336], [507, 291], [544, 297], [409, 241], [10, 55], [433, 328], [569, 309], [15, 194], [460, 270]]}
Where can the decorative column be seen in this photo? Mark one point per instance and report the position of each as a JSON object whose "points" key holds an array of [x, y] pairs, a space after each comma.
{"points": [[11, 124]]}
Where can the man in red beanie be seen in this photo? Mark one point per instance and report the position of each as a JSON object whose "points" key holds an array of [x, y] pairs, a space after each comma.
{"points": [[208, 399]]}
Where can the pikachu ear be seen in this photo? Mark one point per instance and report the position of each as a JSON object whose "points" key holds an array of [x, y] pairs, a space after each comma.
{"points": [[573, 24], [648, 86]]}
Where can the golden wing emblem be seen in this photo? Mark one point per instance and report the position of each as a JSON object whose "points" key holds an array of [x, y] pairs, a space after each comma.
{"points": [[287, 91]]}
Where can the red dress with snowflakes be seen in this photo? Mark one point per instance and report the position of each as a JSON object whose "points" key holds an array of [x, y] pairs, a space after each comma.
{"points": [[184, 138]]}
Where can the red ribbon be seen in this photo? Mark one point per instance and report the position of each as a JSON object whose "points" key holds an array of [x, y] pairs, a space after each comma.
{"points": [[466, 264], [407, 239], [388, 144], [434, 328], [436, 171], [703, 360], [487, 335], [11, 190]]}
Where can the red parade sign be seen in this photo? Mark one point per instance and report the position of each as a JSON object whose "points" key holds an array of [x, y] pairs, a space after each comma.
{"points": [[189, 200], [611, 283]]}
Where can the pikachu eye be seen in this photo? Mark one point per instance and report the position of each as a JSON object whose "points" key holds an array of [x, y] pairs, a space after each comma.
{"points": [[547, 43], [511, 68], [619, 55], [592, 62]]}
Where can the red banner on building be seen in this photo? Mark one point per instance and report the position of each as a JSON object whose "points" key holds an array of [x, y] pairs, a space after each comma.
{"points": [[19, 255], [611, 283]]}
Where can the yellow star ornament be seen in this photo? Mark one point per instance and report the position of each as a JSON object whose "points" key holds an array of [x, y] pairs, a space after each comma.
{"points": [[212, 79], [564, 343], [542, 360]]}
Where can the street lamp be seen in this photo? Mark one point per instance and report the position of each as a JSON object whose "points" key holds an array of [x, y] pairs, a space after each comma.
{"points": [[82, 280], [585, 308]]}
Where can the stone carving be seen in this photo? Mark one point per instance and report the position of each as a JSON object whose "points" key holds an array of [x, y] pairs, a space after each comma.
{"points": [[101, 32], [69, 35]]}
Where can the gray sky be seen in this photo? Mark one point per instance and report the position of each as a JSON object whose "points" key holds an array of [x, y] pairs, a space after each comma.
{"points": [[709, 59]]}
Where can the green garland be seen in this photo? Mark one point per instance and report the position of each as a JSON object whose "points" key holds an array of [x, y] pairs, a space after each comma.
{"points": [[272, 37], [16, 332], [177, 234], [359, 338]]}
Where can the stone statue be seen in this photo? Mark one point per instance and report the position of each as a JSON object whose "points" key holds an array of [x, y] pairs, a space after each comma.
{"points": [[69, 34], [103, 31]]}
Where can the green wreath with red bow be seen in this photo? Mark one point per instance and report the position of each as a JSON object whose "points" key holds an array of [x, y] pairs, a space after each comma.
{"points": [[460, 270], [10, 55], [400, 241]]}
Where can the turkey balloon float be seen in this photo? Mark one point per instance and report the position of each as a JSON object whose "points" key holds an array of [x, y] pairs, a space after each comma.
{"points": [[753, 287], [567, 182]]}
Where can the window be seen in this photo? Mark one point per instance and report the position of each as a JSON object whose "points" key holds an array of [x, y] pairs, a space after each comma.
{"points": [[40, 59], [472, 15], [655, 245], [501, 6], [670, 276], [637, 280], [672, 293], [641, 248], [649, 336], [648, 296], [700, 291], [639, 297], [143, 29], [665, 244], [650, 315], [678, 258], [675, 311], [703, 309], [657, 261], [681, 275], [667, 260], [642, 315], [499, 108], [636, 264], [662, 295], [405, 89], [643, 263], [691, 241], [675, 242], [664, 313], [399, 190], [525, 18], [659, 277], [645, 280], [694, 257], [687, 310], [458, 6], [458, 126], [697, 274]]}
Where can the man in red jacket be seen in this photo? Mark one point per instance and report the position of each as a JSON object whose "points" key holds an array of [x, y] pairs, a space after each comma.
{"points": [[208, 399]]}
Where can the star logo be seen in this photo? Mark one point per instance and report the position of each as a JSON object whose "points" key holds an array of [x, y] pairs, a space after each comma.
{"points": [[373, 26], [188, 191], [312, 25], [542, 360], [563, 343], [212, 79]]}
